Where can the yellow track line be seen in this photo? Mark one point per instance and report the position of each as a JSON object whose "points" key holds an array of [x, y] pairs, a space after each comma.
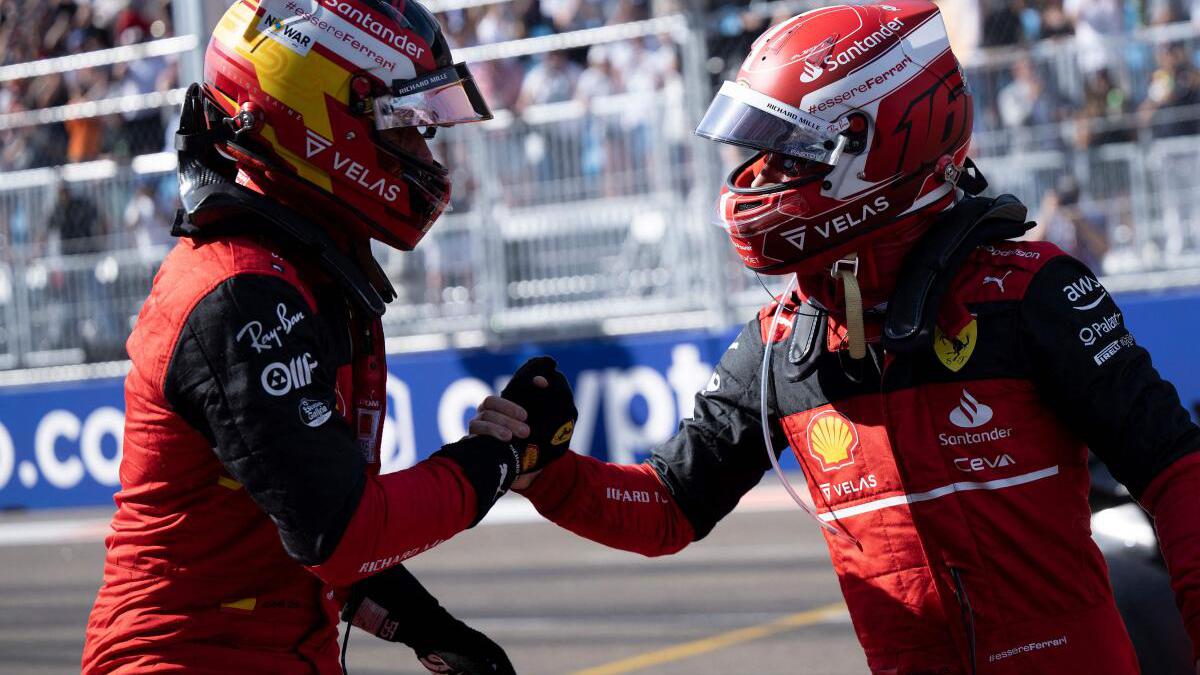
{"points": [[715, 642]]}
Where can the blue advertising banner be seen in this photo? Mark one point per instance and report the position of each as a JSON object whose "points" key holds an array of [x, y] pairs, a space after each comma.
{"points": [[60, 443]]}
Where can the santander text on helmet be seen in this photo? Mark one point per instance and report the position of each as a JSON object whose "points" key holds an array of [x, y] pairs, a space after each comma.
{"points": [[848, 55], [367, 21]]}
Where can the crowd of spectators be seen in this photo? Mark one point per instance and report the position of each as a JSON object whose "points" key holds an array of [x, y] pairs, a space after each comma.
{"points": [[39, 29], [1103, 89], [1101, 93], [601, 121]]}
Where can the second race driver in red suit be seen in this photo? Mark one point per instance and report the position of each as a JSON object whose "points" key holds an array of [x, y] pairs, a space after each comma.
{"points": [[252, 512], [939, 383]]}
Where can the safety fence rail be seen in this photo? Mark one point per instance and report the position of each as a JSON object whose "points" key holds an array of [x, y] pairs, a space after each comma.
{"points": [[593, 215]]}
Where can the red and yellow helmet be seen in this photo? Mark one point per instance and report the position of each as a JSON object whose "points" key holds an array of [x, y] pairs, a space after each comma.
{"points": [[863, 117], [333, 101]]}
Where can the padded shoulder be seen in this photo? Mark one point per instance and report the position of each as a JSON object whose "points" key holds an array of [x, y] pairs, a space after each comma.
{"points": [[190, 272], [930, 268], [1003, 271]]}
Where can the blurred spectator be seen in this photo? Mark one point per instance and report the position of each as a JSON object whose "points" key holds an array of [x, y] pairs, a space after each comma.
{"points": [[500, 81], [75, 223], [47, 142], [1079, 228], [1053, 22], [1160, 12], [568, 15], [1104, 116], [1002, 24], [598, 80], [551, 80], [1104, 91], [142, 130], [498, 24], [1124, 256], [1025, 101], [38, 29], [1096, 23], [1174, 83], [963, 23], [85, 136], [145, 228], [549, 148]]}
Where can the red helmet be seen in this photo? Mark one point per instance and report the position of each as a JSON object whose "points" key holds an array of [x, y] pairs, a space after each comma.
{"points": [[332, 102], [864, 115]]}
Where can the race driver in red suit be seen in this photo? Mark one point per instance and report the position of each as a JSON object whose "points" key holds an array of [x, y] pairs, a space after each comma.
{"points": [[252, 510], [939, 383]]}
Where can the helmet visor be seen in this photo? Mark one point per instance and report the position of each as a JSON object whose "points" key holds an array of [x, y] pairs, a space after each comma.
{"points": [[741, 116], [444, 97]]}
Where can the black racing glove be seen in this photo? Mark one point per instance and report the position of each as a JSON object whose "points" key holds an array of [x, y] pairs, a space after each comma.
{"points": [[490, 465], [394, 606], [551, 410]]}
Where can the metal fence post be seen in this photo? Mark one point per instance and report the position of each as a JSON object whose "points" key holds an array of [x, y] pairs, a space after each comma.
{"points": [[712, 261], [22, 339], [491, 283], [189, 19]]}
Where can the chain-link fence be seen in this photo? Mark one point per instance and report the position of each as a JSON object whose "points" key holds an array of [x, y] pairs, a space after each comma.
{"points": [[592, 214]]}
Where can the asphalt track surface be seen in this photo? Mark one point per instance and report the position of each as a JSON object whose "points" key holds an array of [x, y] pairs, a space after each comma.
{"points": [[756, 596]]}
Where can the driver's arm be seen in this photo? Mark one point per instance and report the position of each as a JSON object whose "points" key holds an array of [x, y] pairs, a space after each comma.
{"points": [[270, 413], [689, 483], [1103, 386]]}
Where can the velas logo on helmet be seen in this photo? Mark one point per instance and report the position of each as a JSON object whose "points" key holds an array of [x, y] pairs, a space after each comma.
{"points": [[850, 130], [836, 225]]}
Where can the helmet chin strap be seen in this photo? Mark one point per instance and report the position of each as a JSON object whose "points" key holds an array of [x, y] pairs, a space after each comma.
{"points": [[846, 270]]}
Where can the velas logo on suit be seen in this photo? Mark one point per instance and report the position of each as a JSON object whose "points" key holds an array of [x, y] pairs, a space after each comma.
{"points": [[832, 440]]}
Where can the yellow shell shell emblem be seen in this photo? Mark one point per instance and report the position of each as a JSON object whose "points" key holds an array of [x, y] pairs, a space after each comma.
{"points": [[954, 353], [832, 440]]}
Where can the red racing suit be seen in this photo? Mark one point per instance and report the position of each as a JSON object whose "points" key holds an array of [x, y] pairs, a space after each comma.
{"points": [[960, 466], [250, 494]]}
